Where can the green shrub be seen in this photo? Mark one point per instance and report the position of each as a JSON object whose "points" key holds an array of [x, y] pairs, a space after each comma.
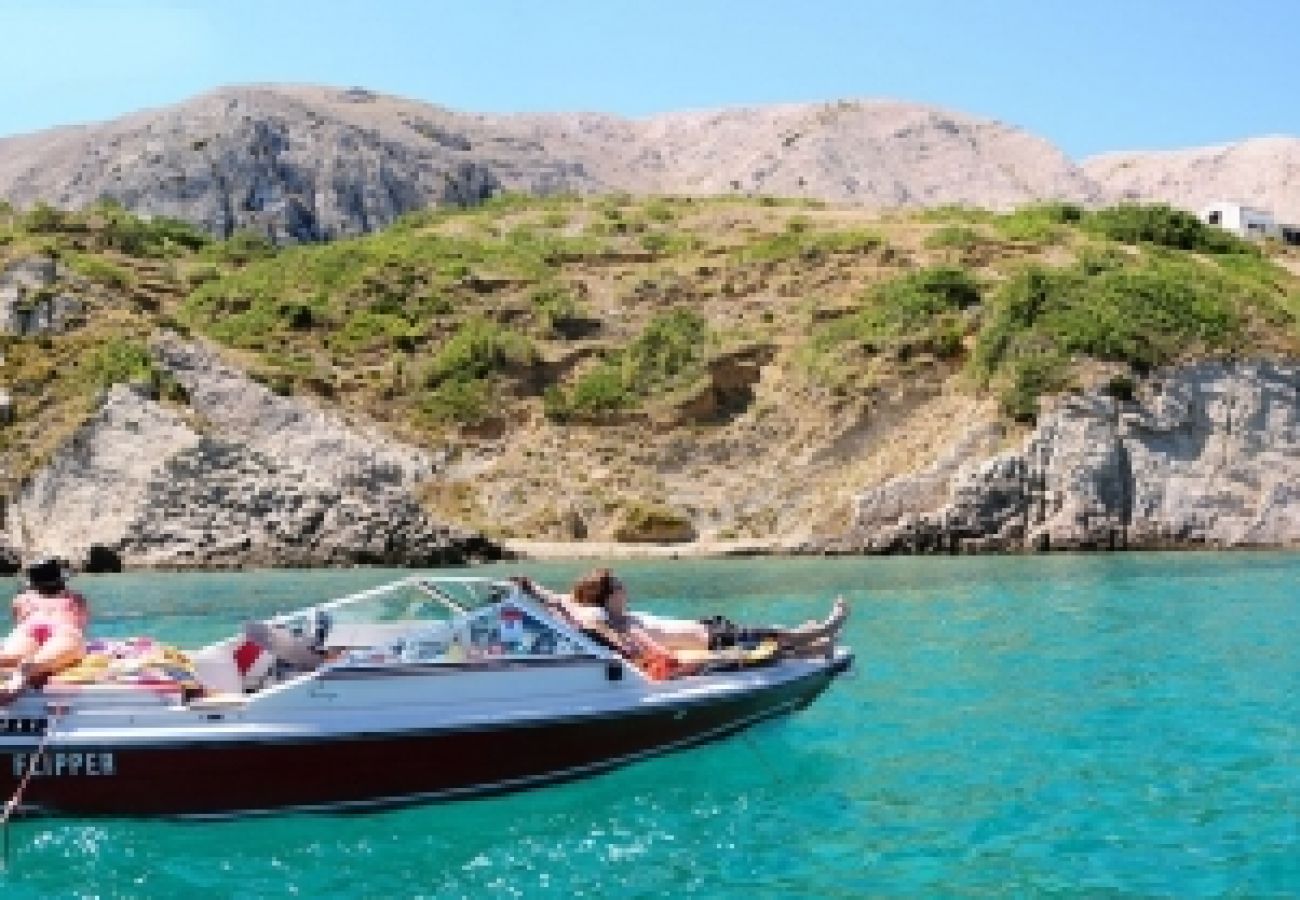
{"points": [[479, 349], [44, 219], [1133, 223], [1143, 315], [1032, 376], [156, 238], [463, 402], [669, 243], [100, 270], [956, 213], [660, 211], [597, 392], [924, 308], [241, 248], [554, 305], [1040, 223], [669, 354], [117, 360], [669, 351], [955, 237], [799, 243], [369, 328]]}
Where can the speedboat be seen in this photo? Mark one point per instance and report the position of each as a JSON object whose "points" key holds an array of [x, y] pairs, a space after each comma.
{"points": [[428, 688]]}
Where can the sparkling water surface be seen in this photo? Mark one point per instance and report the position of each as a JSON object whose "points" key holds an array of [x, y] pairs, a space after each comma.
{"points": [[1083, 725]]}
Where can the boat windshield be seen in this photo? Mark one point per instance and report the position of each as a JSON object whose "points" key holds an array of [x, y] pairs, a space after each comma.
{"points": [[444, 620], [422, 599]]}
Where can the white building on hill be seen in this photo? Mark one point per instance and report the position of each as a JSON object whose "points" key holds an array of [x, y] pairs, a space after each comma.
{"points": [[1248, 222]]}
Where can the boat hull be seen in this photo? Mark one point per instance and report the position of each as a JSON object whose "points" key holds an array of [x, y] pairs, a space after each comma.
{"points": [[367, 770]]}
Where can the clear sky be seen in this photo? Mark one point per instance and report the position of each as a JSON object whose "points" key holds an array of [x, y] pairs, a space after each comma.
{"points": [[1089, 75]]}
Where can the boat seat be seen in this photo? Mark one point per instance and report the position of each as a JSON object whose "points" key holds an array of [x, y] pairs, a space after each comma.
{"points": [[217, 670], [363, 635]]}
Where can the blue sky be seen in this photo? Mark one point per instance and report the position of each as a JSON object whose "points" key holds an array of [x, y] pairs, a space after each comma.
{"points": [[1089, 76]]}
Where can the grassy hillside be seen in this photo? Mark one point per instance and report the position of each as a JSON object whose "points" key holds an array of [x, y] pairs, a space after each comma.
{"points": [[731, 366]]}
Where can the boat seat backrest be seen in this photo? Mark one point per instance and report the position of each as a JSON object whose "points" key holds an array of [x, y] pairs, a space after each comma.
{"points": [[235, 666], [216, 669]]}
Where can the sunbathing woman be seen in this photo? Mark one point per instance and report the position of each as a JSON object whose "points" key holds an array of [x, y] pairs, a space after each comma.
{"points": [[50, 631], [598, 604]]}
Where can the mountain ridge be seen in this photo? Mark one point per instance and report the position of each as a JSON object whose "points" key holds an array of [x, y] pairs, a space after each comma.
{"points": [[302, 162]]}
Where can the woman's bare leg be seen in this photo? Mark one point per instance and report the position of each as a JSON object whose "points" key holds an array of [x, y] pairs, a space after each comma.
{"points": [[63, 648], [814, 632], [18, 646]]}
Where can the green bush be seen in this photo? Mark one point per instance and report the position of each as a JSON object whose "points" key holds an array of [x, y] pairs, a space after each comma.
{"points": [[955, 237], [955, 213], [669, 351], [797, 242], [669, 354], [1039, 223], [597, 392], [554, 305], [44, 219], [1031, 376], [669, 243], [660, 211], [100, 270], [1144, 315], [463, 402], [156, 238], [1133, 223], [241, 248], [118, 360], [479, 349], [924, 308]]}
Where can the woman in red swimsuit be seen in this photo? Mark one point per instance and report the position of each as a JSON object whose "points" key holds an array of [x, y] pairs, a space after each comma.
{"points": [[51, 628]]}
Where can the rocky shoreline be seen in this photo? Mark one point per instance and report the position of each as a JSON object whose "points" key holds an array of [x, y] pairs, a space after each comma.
{"points": [[238, 477], [1203, 456]]}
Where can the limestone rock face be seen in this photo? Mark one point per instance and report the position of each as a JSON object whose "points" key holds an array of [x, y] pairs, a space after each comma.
{"points": [[289, 428], [302, 163], [243, 158], [1207, 455], [37, 298], [1263, 172], [268, 481], [91, 491]]}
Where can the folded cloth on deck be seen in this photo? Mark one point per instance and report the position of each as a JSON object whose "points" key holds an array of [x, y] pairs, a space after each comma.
{"points": [[135, 660]]}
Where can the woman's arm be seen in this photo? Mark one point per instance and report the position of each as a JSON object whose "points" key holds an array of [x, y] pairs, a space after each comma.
{"points": [[83, 610]]}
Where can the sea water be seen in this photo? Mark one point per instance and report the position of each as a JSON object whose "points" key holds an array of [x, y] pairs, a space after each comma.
{"points": [[1073, 724]]}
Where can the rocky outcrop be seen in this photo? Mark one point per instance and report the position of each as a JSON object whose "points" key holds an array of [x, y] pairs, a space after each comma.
{"points": [[311, 163], [220, 504], [290, 429], [242, 477], [1207, 455], [1263, 172], [35, 298], [245, 158], [92, 491]]}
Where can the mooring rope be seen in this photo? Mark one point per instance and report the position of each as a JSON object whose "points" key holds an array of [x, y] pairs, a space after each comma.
{"points": [[33, 764]]}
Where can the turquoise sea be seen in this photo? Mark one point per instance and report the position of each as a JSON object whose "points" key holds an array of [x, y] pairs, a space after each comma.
{"points": [[1109, 725]]}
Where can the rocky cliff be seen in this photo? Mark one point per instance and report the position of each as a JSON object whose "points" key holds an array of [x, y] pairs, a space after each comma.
{"points": [[238, 477], [306, 163], [619, 369], [1263, 172], [1205, 455], [310, 163]]}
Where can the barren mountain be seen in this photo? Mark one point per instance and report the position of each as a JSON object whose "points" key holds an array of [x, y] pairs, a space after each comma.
{"points": [[309, 163], [1262, 172]]}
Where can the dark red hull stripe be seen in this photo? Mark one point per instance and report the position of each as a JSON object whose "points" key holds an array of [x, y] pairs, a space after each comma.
{"points": [[373, 770]]}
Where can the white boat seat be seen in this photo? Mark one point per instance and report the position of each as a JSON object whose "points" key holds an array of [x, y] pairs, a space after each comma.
{"points": [[362, 635]]}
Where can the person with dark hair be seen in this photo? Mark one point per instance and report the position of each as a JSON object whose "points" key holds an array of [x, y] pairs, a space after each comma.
{"points": [[50, 632], [598, 604]]}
